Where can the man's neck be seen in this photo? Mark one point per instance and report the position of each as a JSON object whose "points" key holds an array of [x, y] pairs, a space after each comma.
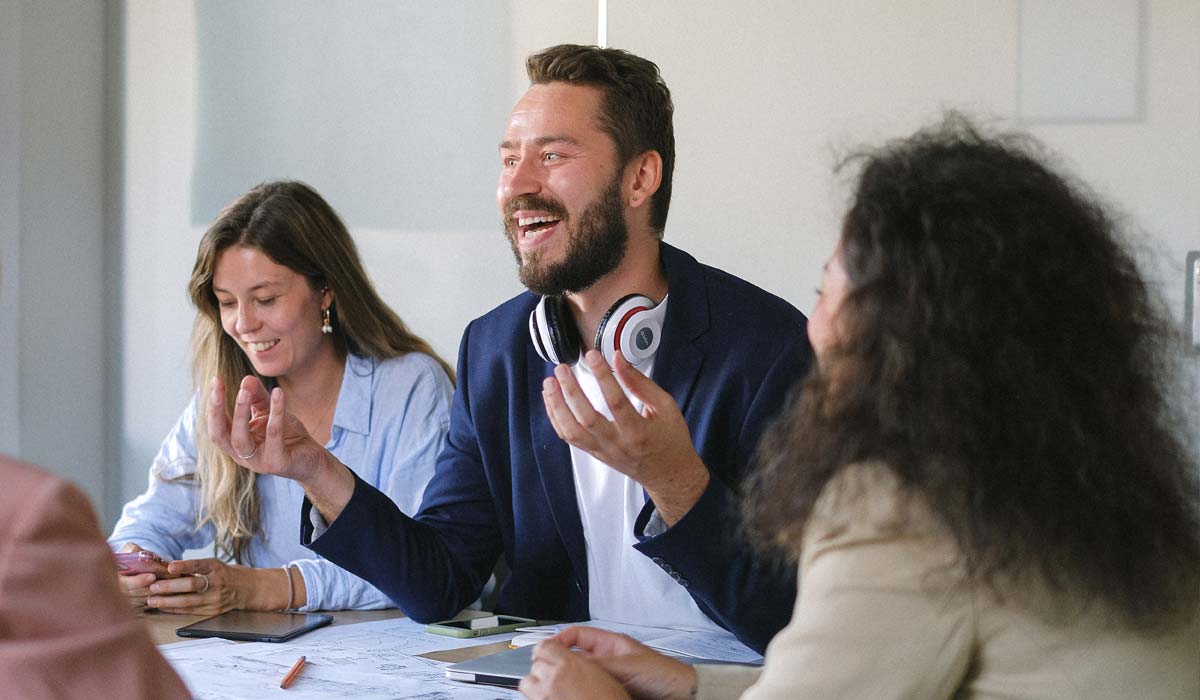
{"points": [[640, 272]]}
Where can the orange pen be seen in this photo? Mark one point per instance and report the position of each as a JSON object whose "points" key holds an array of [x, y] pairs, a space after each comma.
{"points": [[292, 674]]}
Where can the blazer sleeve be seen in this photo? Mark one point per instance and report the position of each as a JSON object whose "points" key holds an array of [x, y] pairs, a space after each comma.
{"points": [[881, 611], [435, 564], [422, 433], [735, 586], [67, 630]]}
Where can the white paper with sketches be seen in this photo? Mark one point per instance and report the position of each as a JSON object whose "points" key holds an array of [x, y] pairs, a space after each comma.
{"points": [[367, 661]]}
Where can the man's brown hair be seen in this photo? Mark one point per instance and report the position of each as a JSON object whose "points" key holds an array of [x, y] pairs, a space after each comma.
{"points": [[636, 111]]}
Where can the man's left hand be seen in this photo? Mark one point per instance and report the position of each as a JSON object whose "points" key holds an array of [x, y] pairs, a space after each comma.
{"points": [[652, 447]]}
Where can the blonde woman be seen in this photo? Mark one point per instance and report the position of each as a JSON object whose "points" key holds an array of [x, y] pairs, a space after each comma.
{"points": [[282, 295]]}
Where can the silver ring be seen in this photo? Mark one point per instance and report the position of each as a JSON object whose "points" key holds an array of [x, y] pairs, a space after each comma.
{"points": [[205, 582], [251, 453]]}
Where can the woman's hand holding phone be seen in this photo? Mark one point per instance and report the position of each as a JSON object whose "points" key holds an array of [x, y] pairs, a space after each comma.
{"points": [[205, 586], [137, 568]]}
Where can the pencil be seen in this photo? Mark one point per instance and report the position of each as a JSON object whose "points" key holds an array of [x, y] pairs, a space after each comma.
{"points": [[292, 674]]}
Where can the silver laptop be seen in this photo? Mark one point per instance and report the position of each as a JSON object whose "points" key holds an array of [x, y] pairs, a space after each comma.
{"points": [[508, 667], [505, 668]]}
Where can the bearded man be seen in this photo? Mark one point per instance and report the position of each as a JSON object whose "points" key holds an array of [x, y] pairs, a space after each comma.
{"points": [[603, 420]]}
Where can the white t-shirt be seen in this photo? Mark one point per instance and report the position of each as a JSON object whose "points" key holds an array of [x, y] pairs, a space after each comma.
{"points": [[624, 585]]}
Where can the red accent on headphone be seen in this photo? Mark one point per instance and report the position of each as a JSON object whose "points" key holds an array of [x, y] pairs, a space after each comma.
{"points": [[621, 325]]}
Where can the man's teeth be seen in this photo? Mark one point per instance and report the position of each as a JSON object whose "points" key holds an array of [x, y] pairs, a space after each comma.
{"points": [[527, 220], [262, 347], [530, 224]]}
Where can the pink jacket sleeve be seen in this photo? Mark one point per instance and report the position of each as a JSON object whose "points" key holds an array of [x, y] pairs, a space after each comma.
{"points": [[65, 630]]}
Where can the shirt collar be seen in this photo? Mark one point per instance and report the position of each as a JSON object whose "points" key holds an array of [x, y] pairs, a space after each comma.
{"points": [[353, 410]]}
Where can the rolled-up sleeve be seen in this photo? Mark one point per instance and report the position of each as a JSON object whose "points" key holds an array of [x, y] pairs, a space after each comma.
{"points": [[163, 519]]}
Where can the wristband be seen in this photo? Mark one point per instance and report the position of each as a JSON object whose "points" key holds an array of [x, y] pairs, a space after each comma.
{"points": [[287, 570]]}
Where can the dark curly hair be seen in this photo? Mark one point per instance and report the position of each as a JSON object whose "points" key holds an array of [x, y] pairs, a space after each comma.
{"points": [[1011, 365], [637, 111]]}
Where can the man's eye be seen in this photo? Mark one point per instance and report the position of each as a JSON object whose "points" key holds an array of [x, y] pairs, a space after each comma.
{"points": [[551, 156], [509, 161]]}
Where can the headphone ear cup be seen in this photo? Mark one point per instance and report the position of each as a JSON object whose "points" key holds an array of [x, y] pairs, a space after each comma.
{"points": [[537, 332], [640, 336], [620, 326], [560, 327]]}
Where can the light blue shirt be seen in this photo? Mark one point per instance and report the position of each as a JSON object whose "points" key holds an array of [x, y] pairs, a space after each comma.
{"points": [[389, 425]]}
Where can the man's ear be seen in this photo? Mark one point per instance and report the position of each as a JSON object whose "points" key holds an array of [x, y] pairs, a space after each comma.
{"points": [[643, 175]]}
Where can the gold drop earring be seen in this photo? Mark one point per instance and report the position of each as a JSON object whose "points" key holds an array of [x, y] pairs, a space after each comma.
{"points": [[326, 322]]}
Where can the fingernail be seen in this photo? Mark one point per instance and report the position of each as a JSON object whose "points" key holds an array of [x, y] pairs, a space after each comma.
{"points": [[548, 384]]}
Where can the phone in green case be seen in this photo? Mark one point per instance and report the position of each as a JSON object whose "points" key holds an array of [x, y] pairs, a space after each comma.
{"points": [[479, 626]]}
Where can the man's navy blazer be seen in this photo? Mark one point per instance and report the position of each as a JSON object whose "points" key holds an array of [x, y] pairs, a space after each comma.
{"points": [[504, 484]]}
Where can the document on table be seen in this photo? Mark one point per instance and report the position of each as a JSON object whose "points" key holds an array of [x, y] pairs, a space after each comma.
{"points": [[369, 661], [708, 645]]}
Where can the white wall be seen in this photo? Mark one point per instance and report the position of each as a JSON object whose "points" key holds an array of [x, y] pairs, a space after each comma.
{"points": [[10, 217], [767, 93], [52, 200], [158, 242]]}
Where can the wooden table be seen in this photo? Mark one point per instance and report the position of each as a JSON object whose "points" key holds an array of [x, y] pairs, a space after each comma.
{"points": [[162, 628]]}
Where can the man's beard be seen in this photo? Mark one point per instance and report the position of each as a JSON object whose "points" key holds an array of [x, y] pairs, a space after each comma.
{"points": [[595, 248]]}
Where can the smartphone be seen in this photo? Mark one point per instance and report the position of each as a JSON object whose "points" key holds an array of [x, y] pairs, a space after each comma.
{"points": [[143, 562], [253, 626], [479, 626]]}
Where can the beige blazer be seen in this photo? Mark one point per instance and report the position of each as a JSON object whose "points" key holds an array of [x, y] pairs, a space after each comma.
{"points": [[883, 612], [65, 630]]}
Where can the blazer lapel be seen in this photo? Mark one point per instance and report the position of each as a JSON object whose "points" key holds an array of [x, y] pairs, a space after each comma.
{"points": [[554, 465], [677, 362]]}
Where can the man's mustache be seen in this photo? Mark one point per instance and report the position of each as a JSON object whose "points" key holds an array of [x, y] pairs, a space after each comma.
{"points": [[535, 202]]}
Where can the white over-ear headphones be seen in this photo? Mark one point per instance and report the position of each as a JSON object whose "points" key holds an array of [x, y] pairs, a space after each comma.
{"points": [[633, 325]]}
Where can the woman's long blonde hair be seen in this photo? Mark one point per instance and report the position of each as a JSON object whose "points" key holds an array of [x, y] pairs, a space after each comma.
{"points": [[292, 225]]}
